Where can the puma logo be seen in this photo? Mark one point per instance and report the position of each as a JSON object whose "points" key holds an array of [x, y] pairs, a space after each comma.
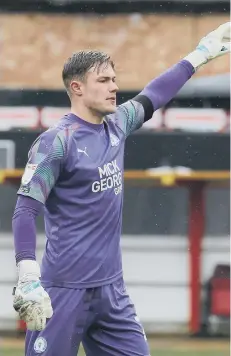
{"points": [[83, 151]]}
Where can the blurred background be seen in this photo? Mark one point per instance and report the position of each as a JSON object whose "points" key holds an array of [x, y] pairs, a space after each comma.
{"points": [[177, 197]]}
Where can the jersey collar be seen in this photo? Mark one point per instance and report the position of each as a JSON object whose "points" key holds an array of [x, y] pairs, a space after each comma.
{"points": [[73, 118]]}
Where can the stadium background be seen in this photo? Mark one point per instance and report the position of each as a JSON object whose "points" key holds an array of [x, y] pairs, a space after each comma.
{"points": [[177, 209]]}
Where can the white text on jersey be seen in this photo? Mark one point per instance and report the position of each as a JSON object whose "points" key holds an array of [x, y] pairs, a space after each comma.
{"points": [[110, 177]]}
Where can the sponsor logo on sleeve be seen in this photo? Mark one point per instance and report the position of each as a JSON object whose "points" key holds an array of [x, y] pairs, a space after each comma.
{"points": [[28, 173], [25, 188]]}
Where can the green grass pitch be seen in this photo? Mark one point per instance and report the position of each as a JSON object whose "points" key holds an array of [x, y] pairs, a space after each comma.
{"points": [[18, 352], [159, 347]]}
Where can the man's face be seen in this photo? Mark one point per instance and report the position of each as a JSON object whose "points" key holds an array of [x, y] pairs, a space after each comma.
{"points": [[98, 91]]}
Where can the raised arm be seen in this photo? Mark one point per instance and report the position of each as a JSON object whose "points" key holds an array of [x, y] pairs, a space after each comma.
{"points": [[162, 89]]}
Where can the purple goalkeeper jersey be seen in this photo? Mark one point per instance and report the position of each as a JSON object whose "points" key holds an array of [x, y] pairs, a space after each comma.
{"points": [[76, 170]]}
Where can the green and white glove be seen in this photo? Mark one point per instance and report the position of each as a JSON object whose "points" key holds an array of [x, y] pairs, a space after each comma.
{"points": [[215, 44], [31, 301]]}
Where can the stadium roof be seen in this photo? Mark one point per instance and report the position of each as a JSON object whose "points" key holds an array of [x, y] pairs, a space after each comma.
{"points": [[207, 86]]}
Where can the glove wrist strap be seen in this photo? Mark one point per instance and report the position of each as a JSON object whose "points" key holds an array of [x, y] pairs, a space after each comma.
{"points": [[197, 58], [28, 270]]}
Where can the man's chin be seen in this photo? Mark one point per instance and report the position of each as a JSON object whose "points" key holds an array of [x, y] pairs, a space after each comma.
{"points": [[110, 110]]}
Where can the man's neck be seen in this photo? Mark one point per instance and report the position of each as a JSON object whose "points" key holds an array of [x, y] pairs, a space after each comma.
{"points": [[87, 115]]}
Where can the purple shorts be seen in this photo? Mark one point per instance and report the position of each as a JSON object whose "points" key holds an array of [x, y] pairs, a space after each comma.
{"points": [[103, 319]]}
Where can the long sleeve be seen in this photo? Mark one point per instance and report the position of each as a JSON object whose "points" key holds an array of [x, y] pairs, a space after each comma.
{"points": [[24, 227], [162, 89]]}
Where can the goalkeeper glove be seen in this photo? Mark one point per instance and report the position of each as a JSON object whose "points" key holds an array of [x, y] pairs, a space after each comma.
{"points": [[215, 44], [31, 301]]}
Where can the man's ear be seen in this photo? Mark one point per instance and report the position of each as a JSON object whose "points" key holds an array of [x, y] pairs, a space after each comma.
{"points": [[76, 87]]}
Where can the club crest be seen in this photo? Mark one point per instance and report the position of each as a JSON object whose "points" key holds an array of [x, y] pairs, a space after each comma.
{"points": [[40, 345], [114, 140]]}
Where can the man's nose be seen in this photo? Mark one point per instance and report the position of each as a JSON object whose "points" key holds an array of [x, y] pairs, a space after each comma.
{"points": [[114, 87]]}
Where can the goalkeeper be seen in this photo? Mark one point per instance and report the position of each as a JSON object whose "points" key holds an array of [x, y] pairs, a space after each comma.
{"points": [[74, 173]]}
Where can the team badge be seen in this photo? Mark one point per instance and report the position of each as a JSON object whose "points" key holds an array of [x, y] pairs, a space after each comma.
{"points": [[40, 345], [114, 140]]}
